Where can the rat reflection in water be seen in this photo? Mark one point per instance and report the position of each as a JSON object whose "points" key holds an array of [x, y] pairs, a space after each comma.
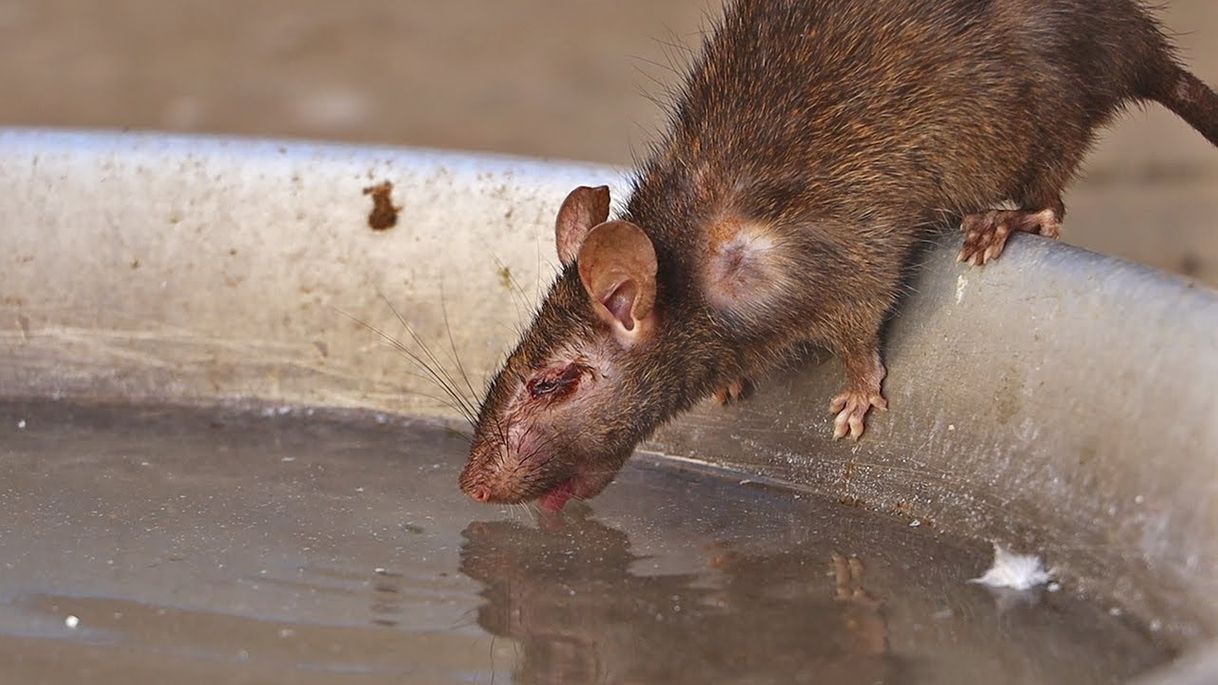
{"points": [[566, 594]]}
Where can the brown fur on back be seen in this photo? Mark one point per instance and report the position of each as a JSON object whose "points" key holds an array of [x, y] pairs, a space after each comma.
{"points": [[851, 127]]}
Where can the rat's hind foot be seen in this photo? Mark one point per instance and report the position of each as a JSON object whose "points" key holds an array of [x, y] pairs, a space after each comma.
{"points": [[986, 233], [734, 392]]}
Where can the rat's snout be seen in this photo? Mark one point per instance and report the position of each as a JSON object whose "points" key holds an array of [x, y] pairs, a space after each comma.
{"points": [[499, 472], [473, 481], [482, 477], [480, 493], [477, 490]]}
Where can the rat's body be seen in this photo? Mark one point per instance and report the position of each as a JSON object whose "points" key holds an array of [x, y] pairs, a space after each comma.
{"points": [[815, 145]]}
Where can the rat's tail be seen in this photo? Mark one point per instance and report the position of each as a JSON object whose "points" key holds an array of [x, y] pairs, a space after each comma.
{"points": [[1151, 60], [1188, 96]]}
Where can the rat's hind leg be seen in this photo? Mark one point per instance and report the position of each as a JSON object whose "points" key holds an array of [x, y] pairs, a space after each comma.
{"points": [[850, 327], [986, 233], [860, 355]]}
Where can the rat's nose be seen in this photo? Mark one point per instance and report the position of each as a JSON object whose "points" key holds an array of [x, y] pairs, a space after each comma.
{"points": [[480, 493]]}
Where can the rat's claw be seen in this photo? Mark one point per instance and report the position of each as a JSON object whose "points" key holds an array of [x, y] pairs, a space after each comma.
{"points": [[837, 403], [851, 408], [733, 392], [984, 240]]}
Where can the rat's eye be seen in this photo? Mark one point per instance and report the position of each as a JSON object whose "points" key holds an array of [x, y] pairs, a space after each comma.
{"points": [[554, 382], [544, 386]]}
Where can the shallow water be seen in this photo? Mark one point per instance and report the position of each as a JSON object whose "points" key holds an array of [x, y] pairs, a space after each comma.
{"points": [[221, 547]]}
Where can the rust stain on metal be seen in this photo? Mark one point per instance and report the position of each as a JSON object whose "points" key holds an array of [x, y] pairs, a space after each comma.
{"points": [[384, 214]]}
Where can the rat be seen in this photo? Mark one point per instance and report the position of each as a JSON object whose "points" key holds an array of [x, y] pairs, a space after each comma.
{"points": [[814, 146]]}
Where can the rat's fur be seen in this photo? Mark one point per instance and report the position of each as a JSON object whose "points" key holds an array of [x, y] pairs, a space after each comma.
{"points": [[815, 144]]}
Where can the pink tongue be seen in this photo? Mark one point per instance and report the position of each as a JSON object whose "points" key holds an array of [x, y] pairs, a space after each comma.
{"points": [[554, 500]]}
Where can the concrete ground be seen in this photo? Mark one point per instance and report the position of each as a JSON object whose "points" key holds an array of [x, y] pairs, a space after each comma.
{"points": [[556, 78]]}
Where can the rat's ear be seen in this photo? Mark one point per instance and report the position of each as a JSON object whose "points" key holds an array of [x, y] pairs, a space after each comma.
{"points": [[583, 209], [617, 265]]}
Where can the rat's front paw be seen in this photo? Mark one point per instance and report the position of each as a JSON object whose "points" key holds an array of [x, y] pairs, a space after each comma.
{"points": [[733, 392], [851, 407]]}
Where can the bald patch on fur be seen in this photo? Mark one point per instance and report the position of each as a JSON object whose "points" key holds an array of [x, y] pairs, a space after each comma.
{"points": [[746, 269]]}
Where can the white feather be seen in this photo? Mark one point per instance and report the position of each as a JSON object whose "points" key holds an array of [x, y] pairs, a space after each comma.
{"points": [[1014, 571]]}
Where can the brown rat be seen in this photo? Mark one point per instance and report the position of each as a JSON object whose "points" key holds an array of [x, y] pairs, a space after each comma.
{"points": [[813, 147]]}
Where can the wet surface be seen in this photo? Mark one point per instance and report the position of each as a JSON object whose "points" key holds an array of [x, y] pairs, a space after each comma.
{"points": [[143, 545]]}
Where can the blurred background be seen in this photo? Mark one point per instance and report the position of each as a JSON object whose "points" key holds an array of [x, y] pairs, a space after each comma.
{"points": [[552, 78]]}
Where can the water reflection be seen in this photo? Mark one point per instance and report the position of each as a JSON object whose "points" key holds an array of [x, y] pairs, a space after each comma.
{"points": [[221, 562], [566, 594]]}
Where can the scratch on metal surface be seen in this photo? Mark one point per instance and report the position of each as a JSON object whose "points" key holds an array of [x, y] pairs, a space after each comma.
{"points": [[124, 350], [119, 344]]}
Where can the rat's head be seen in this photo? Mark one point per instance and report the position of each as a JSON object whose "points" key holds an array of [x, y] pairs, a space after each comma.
{"points": [[567, 408]]}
